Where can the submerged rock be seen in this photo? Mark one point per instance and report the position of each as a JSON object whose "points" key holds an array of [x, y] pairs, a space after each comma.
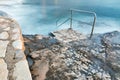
{"points": [[3, 14]]}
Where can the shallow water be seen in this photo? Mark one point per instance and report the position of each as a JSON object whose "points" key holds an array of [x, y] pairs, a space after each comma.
{"points": [[41, 19]]}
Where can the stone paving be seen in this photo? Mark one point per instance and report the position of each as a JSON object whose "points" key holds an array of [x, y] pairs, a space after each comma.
{"points": [[13, 64]]}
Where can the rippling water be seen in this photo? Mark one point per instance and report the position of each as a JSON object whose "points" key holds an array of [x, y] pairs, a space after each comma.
{"points": [[40, 18]]}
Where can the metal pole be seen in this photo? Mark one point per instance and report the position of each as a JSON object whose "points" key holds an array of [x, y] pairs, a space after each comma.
{"points": [[71, 20], [90, 12], [93, 26]]}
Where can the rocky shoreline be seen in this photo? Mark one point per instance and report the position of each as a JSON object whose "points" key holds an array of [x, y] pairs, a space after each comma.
{"points": [[85, 59], [67, 57]]}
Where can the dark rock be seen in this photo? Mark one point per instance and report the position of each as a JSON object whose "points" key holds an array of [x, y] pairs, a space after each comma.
{"points": [[86, 59]]}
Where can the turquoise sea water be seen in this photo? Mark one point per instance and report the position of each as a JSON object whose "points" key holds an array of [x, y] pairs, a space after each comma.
{"points": [[39, 18]]}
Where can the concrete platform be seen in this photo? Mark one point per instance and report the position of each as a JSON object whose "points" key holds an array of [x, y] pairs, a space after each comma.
{"points": [[67, 35]]}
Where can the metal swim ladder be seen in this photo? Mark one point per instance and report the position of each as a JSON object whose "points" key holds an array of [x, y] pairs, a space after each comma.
{"points": [[71, 19]]}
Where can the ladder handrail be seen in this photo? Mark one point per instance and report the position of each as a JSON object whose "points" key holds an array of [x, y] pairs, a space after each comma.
{"points": [[89, 12], [82, 22], [59, 19], [63, 22], [74, 20], [80, 11], [84, 11]]}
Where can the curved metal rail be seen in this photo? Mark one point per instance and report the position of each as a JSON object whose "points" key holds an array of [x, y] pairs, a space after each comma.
{"points": [[63, 22], [82, 22], [71, 19]]}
